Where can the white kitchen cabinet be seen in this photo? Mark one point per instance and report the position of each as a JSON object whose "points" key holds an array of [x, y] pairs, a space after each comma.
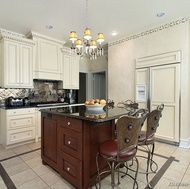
{"points": [[17, 57], [48, 57], [70, 70], [17, 126]]}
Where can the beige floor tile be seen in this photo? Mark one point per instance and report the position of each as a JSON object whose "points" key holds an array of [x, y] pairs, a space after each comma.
{"points": [[6, 153], [188, 170], [165, 183], [11, 162], [50, 178], [173, 175], [38, 152], [185, 183], [21, 149], [23, 177], [62, 184], [29, 156], [34, 146], [34, 162], [35, 183], [179, 166], [18, 168], [41, 169]]}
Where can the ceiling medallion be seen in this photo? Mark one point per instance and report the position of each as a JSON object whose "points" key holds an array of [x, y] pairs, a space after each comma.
{"points": [[87, 46]]}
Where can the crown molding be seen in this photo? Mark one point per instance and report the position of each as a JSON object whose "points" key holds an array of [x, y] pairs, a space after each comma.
{"points": [[33, 35], [150, 31], [9, 36], [11, 33]]}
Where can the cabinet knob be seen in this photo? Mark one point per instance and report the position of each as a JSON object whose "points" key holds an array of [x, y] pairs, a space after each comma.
{"points": [[68, 169], [69, 142], [69, 123]]}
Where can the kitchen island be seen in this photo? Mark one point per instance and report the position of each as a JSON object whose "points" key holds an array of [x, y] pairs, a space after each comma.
{"points": [[70, 139]]}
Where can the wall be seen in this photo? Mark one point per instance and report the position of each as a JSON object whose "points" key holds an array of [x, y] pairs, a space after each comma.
{"points": [[122, 54]]}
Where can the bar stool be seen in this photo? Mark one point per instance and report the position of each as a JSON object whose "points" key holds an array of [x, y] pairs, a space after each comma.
{"points": [[124, 148], [147, 140]]}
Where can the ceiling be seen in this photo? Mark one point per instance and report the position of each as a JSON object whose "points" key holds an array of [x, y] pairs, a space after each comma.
{"points": [[124, 16]]}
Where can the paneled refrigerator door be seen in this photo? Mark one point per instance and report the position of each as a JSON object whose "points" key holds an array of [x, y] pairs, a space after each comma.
{"points": [[164, 88], [156, 85]]}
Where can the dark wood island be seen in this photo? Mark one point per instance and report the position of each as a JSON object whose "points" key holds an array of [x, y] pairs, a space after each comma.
{"points": [[70, 139]]}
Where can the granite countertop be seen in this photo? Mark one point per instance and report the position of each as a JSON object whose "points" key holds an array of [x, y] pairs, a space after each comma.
{"points": [[81, 112], [40, 106]]}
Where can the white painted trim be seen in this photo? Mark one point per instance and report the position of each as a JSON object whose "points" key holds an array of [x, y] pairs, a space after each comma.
{"points": [[160, 59], [185, 143], [17, 38], [32, 34]]}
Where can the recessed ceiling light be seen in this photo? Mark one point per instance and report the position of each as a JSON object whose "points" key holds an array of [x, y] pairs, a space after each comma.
{"points": [[160, 14], [114, 33], [49, 27]]}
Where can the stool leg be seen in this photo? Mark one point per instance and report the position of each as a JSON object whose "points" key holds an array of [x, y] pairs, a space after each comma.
{"points": [[98, 171], [113, 175]]}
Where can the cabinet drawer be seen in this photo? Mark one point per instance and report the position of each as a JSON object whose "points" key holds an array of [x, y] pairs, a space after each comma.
{"points": [[71, 169], [71, 123], [20, 111], [70, 142], [14, 122], [20, 135]]}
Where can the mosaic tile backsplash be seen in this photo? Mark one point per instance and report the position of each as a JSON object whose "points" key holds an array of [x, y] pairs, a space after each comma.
{"points": [[43, 91]]}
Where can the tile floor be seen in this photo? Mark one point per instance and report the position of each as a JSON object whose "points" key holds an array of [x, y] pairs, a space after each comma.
{"points": [[23, 167]]}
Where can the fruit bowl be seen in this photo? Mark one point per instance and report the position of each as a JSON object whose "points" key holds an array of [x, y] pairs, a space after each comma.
{"points": [[97, 107], [95, 114]]}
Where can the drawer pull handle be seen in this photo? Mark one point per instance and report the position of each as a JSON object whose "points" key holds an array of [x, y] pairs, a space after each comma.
{"points": [[68, 169], [69, 142], [14, 122], [69, 123]]}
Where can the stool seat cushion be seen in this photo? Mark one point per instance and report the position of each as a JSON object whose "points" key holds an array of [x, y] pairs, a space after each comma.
{"points": [[142, 138], [108, 149]]}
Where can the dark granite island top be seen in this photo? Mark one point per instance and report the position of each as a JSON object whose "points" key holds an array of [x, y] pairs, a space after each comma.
{"points": [[83, 113], [70, 137]]}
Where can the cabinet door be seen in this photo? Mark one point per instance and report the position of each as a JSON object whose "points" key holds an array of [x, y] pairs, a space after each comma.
{"points": [[70, 169], [70, 72], [11, 65], [49, 140], [48, 64], [26, 67]]}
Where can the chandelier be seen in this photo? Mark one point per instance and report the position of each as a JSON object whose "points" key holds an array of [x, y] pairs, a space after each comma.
{"points": [[87, 46]]}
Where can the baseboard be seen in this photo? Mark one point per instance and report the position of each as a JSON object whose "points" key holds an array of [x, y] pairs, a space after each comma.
{"points": [[185, 143]]}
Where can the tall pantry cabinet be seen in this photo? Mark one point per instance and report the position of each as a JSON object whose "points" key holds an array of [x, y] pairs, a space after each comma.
{"points": [[16, 61]]}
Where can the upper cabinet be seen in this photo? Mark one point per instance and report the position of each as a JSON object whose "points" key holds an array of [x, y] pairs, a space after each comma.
{"points": [[70, 70], [48, 57], [16, 62]]}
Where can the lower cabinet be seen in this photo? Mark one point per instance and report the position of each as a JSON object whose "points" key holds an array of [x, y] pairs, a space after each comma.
{"points": [[70, 145], [17, 126]]}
